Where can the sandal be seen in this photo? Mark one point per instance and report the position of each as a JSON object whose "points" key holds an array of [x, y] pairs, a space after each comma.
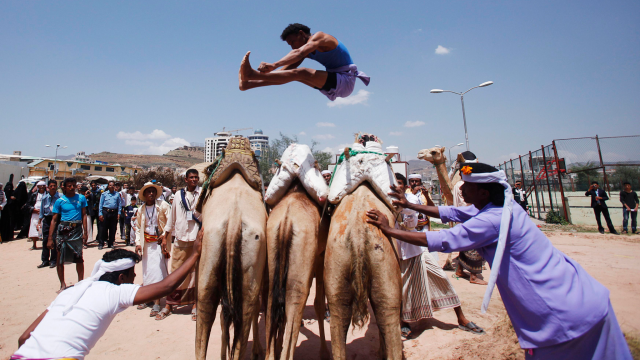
{"points": [[473, 328], [194, 314], [405, 333], [144, 306], [163, 314], [154, 311]]}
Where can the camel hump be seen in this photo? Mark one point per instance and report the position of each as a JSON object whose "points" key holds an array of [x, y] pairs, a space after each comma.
{"points": [[297, 162], [367, 165], [236, 157]]}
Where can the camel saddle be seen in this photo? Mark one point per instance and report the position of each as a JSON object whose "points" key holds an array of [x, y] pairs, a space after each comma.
{"points": [[237, 156], [364, 164]]}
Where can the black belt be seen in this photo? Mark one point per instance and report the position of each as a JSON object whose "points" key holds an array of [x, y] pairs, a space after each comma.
{"points": [[110, 210]]}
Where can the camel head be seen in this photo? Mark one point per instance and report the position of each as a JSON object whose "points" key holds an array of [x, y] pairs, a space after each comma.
{"points": [[433, 155]]}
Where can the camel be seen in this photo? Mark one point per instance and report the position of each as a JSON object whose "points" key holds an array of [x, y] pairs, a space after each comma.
{"points": [[362, 263], [296, 240], [232, 262], [436, 156]]}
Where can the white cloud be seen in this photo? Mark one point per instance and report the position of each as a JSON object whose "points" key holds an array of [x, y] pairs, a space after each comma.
{"points": [[336, 149], [325, 124], [324, 137], [156, 142], [395, 133], [416, 123], [441, 50], [154, 135], [302, 133], [360, 98]]}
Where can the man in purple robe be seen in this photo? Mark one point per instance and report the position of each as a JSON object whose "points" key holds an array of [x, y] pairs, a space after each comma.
{"points": [[337, 81], [557, 309]]}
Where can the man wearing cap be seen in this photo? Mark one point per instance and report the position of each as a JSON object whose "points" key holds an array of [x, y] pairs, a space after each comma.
{"points": [[557, 309], [75, 321], [151, 221], [425, 286], [49, 256], [326, 174]]}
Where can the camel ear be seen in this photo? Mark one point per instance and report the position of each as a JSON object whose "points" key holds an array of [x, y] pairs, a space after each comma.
{"points": [[442, 149], [315, 164]]}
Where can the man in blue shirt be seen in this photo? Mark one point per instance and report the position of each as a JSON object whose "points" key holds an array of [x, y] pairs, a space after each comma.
{"points": [[70, 221], [49, 256], [109, 215]]}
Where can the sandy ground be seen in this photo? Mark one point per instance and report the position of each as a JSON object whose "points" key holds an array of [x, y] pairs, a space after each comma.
{"points": [[614, 261]]}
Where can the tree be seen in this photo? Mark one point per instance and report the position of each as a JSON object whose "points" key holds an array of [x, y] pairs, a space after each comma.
{"points": [[278, 146], [586, 173]]}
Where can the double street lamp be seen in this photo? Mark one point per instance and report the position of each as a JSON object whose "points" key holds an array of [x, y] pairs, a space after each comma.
{"points": [[55, 164], [438, 91], [450, 159]]}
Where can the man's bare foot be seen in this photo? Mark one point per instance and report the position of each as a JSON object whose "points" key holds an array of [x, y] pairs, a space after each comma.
{"points": [[62, 287], [246, 71], [476, 280]]}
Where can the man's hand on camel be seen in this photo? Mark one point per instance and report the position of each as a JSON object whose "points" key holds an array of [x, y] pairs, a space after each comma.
{"points": [[401, 199], [266, 67], [378, 219]]}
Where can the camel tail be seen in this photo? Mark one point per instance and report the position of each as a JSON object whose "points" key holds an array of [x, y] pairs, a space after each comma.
{"points": [[360, 283], [281, 272], [232, 284]]}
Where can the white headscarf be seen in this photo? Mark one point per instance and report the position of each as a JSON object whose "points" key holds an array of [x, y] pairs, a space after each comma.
{"points": [[41, 183], [415, 176], [99, 269], [324, 172], [505, 222]]}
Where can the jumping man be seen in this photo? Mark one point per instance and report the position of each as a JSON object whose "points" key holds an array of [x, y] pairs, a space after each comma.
{"points": [[338, 80]]}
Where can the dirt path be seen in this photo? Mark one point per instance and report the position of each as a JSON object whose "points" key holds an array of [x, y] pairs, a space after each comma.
{"points": [[614, 261]]}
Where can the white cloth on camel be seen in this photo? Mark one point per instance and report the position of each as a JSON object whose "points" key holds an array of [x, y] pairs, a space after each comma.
{"points": [[363, 167], [297, 162]]}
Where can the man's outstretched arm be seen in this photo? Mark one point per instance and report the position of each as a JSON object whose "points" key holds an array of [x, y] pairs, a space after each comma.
{"points": [[171, 282], [296, 55], [401, 201], [378, 219]]}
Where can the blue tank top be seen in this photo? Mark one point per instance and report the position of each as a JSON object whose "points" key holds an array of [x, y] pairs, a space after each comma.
{"points": [[333, 59]]}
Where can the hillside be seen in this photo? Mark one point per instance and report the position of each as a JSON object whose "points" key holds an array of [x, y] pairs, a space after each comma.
{"points": [[423, 167], [178, 158]]}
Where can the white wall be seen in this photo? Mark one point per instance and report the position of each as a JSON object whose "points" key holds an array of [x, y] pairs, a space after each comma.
{"points": [[6, 169]]}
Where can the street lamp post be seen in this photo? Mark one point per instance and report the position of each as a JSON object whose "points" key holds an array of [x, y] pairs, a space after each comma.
{"points": [[55, 162], [450, 159], [464, 118]]}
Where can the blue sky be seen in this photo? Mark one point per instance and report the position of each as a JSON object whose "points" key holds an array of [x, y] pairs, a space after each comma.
{"points": [[89, 75]]}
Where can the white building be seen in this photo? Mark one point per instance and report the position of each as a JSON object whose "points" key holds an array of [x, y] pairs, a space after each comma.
{"points": [[259, 142], [213, 146], [81, 156]]}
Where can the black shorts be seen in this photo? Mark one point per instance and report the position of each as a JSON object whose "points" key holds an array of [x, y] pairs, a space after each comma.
{"points": [[331, 83]]}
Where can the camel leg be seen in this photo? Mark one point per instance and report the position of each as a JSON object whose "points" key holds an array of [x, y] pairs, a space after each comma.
{"points": [[256, 352], [297, 294], [337, 281], [319, 305], [225, 335], [208, 297], [386, 301]]}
